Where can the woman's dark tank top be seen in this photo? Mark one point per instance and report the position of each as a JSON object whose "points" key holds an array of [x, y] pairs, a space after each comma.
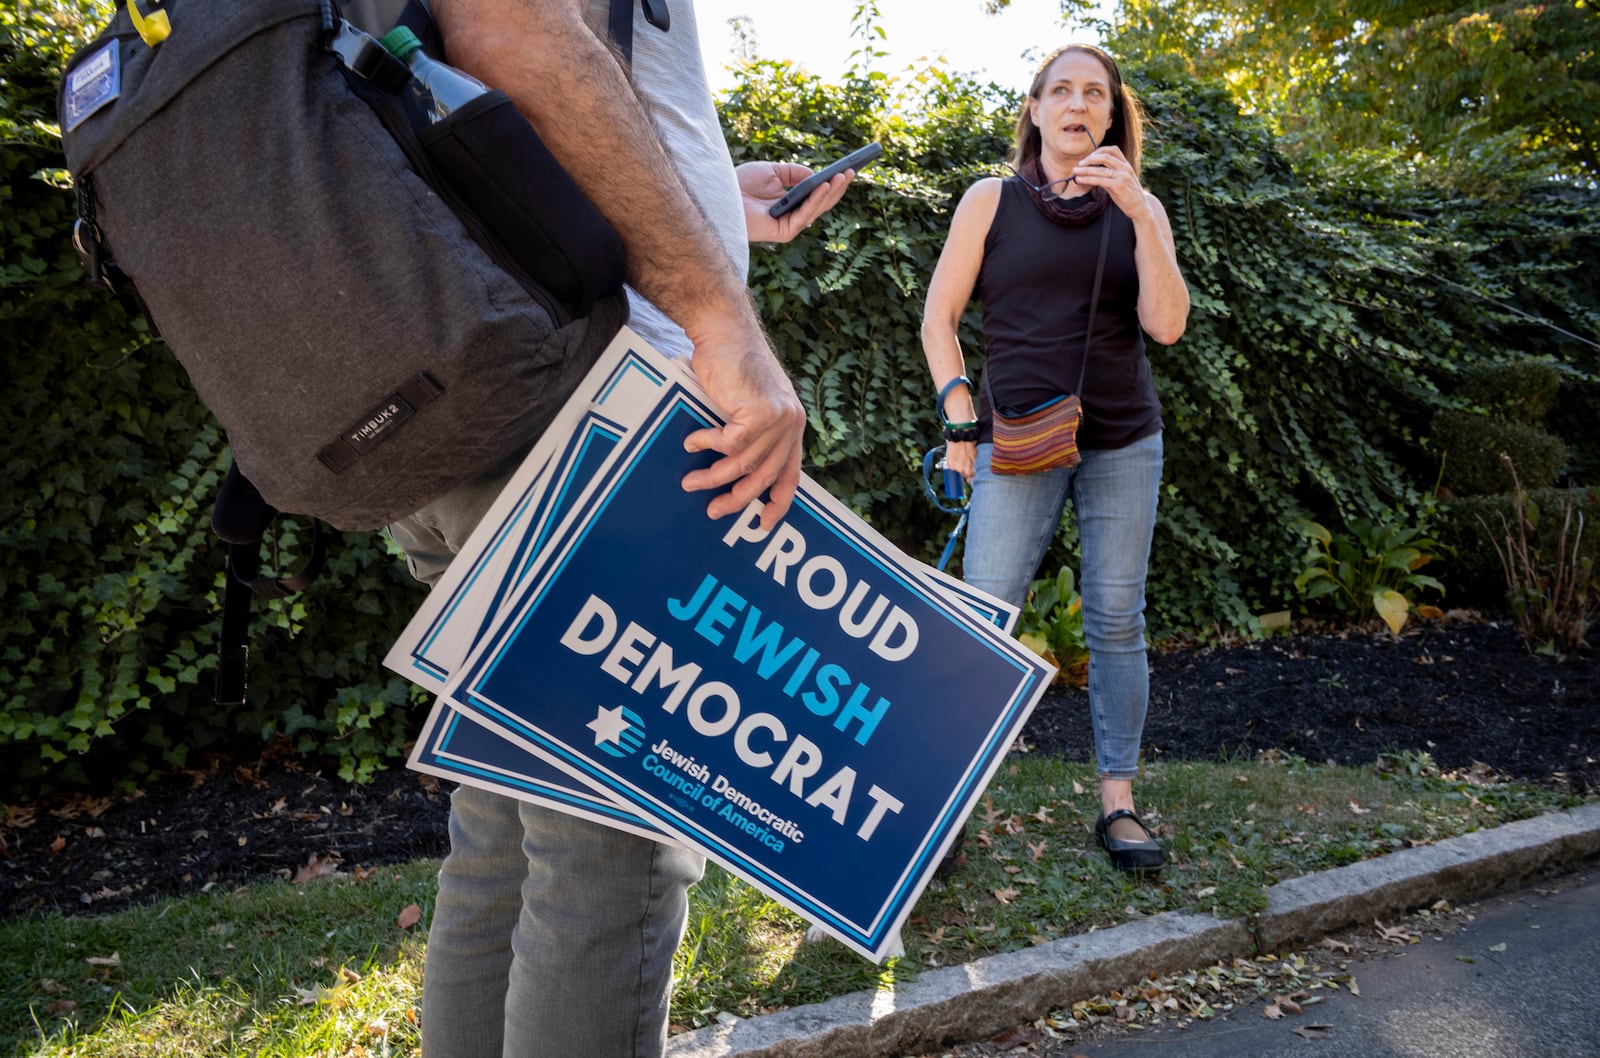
{"points": [[1034, 285]]}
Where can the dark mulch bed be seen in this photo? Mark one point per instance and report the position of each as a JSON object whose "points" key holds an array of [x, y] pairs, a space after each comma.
{"points": [[1464, 691]]}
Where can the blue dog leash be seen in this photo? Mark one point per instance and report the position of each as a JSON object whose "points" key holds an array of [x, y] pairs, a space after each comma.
{"points": [[954, 499]]}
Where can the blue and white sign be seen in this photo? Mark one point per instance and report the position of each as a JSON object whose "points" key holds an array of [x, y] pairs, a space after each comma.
{"points": [[459, 747], [618, 392], [805, 706]]}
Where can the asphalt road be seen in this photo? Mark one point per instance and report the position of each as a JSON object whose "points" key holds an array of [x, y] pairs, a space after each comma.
{"points": [[1520, 978]]}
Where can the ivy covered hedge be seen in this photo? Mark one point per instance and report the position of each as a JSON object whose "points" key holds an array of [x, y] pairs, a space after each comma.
{"points": [[1330, 325], [109, 577]]}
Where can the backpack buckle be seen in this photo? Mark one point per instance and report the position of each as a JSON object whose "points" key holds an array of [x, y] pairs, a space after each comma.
{"points": [[363, 56], [86, 240]]}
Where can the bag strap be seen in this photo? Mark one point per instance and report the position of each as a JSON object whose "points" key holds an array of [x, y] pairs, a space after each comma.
{"points": [[1094, 298], [240, 519], [621, 23]]}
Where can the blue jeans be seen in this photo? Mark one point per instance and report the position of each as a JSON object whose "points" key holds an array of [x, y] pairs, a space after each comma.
{"points": [[551, 935], [1113, 492]]}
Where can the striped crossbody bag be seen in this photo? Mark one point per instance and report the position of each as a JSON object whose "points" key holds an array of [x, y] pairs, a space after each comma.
{"points": [[1046, 436]]}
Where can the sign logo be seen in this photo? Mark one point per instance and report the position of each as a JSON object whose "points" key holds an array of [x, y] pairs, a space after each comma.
{"points": [[618, 732]]}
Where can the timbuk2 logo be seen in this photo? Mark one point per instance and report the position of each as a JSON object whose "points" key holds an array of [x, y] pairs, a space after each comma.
{"points": [[382, 418], [379, 422]]}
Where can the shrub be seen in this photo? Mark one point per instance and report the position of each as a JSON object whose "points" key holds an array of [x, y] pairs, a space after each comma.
{"points": [[108, 574], [1371, 569], [1326, 320], [1550, 592], [1051, 625], [1574, 419], [1471, 527], [1470, 445], [1520, 392]]}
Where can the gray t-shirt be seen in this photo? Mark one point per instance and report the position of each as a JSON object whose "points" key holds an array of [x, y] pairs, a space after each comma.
{"points": [[671, 77]]}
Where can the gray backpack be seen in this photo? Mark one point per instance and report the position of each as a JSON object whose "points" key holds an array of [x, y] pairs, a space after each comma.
{"points": [[374, 311], [376, 308]]}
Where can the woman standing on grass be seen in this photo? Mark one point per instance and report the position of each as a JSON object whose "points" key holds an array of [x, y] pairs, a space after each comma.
{"points": [[1030, 246]]}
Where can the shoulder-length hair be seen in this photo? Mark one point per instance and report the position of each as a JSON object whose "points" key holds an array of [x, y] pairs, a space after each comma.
{"points": [[1127, 116]]}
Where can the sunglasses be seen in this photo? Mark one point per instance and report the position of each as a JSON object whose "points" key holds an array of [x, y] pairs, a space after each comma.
{"points": [[1056, 188]]}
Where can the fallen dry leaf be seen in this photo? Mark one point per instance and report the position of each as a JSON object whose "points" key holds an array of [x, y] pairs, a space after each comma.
{"points": [[335, 996], [1036, 850], [1272, 1012], [1312, 1032], [114, 959], [317, 867], [1349, 982], [410, 916], [1395, 934], [1335, 945], [1289, 1006], [58, 844], [1020, 1036], [990, 812], [1005, 896], [60, 1007], [1358, 810], [18, 818]]}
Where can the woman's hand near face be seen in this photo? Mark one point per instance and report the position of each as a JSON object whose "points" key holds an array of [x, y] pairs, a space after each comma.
{"points": [[1105, 167]]}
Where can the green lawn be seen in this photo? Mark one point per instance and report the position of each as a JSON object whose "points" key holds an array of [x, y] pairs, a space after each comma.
{"points": [[334, 967]]}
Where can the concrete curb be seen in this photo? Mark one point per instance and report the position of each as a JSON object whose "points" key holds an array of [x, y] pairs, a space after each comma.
{"points": [[978, 999]]}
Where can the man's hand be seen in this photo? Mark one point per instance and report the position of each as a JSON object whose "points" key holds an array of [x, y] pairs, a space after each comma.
{"points": [[567, 82], [763, 183], [760, 443]]}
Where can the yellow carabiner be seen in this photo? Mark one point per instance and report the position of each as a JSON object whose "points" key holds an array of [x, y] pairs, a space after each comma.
{"points": [[152, 30]]}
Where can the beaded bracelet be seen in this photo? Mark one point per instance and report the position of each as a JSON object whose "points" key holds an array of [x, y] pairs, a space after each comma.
{"points": [[961, 431]]}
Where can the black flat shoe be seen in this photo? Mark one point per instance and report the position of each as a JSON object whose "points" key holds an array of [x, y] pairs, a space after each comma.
{"points": [[1134, 857]]}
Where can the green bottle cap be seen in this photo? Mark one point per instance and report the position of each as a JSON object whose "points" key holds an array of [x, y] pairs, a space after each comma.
{"points": [[400, 42]]}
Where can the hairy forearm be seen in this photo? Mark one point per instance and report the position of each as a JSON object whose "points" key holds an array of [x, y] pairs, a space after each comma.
{"points": [[576, 94]]}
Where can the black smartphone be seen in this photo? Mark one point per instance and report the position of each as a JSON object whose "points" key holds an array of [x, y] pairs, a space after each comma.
{"points": [[857, 159]]}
